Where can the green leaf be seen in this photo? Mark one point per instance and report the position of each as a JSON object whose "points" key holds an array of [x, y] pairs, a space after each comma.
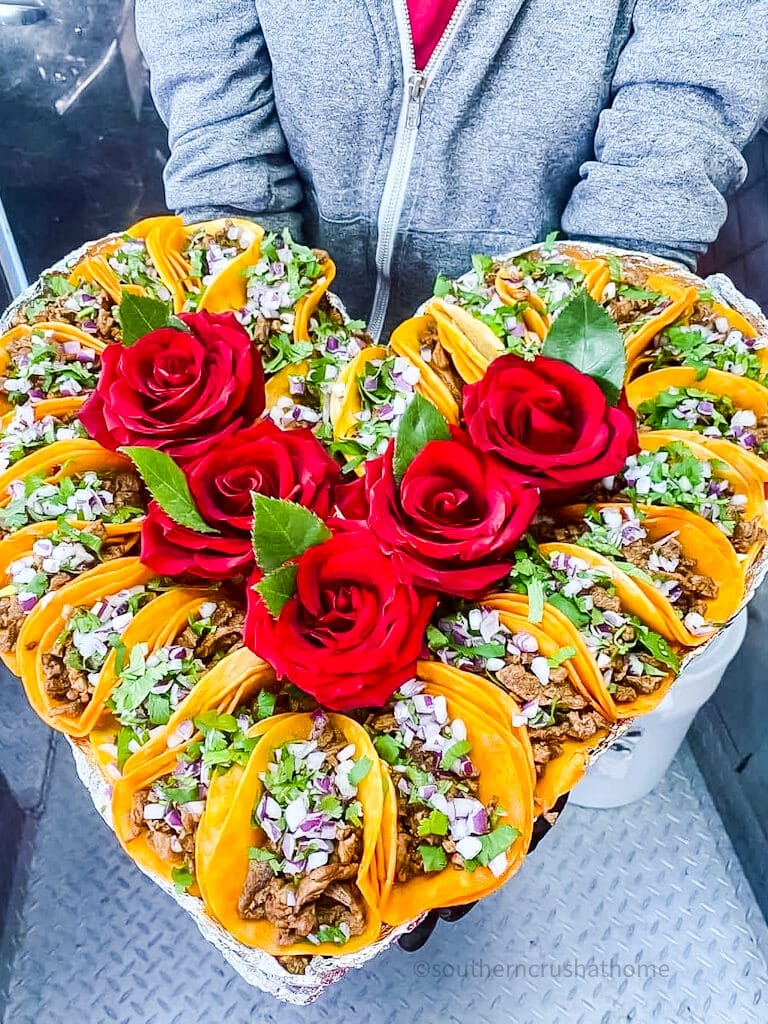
{"points": [[265, 702], [182, 878], [140, 314], [359, 770], [433, 858], [388, 748], [585, 336], [535, 589], [496, 842], [561, 655], [435, 824], [454, 752], [421, 423], [168, 486], [277, 588], [283, 530]]}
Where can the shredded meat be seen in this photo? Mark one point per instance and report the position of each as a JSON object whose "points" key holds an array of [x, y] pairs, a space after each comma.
{"points": [[226, 636], [747, 533], [605, 601], [55, 310], [442, 363]]}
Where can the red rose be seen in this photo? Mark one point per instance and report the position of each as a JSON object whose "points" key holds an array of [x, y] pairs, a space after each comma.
{"points": [[550, 422], [176, 389], [352, 632], [455, 517], [288, 464]]}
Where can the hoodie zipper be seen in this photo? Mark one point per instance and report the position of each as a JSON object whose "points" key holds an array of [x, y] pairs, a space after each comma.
{"points": [[393, 197]]}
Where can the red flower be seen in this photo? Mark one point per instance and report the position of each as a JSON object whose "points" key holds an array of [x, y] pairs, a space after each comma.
{"points": [[288, 464], [455, 517], [176, 389], [352, 632], [551, 422]]}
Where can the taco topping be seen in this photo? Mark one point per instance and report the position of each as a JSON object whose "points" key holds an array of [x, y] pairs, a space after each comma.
{"points": [[55, 560], [632, 658], [619, 534], [285, 273], [708, 342], [548, 275], [111, 497], [476, 292], [152, 685], [552, 710], [708, 414], [133, 265], [169, 810], [71, 668], [385, 390], [85, 305], [26, 433], [302, 879], [671, 475], [41, 367], [440, 820]]}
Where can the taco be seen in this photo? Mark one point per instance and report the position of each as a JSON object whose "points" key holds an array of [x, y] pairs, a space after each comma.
{"points": [[615, 624], [642, 302], [157, 808], [30, 427], [277, 295], [548, 276], [124, 263], [563, 718], [682, 563], [44, 557], [367, 403], [163, 676], [192, 257], [76, 480], [47, 361], [460, 793], [292, 867], [417, 341], [730, 412], [674, 469], [66, 641], [707, 336]]}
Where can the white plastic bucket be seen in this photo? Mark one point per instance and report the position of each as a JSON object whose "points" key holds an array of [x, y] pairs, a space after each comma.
{"points": [[637, 762]]}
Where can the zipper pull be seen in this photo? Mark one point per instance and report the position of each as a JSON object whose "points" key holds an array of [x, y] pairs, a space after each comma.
{"points": [[417, 85]]}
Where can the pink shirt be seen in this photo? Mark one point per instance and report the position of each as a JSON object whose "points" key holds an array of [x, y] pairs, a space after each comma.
{"points": [[429, 19]]}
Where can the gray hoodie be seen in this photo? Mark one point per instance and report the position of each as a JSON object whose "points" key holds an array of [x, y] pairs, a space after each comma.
{"points": [[606, 119]]}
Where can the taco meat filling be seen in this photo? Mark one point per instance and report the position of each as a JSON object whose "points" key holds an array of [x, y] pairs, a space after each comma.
{"points": [[619, 534], [550, 276], [209, 253], [433, 353], [153, 684], [41, 366], [302, 878], [53, 562], [551, 708], [440, 820], [706, 340], [673, 476], [85, 305], [71, 668], [110, 496], [169, 810]]}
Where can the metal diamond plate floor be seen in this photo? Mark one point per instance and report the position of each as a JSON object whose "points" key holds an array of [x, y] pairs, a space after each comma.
{"points": [[634, 915]]}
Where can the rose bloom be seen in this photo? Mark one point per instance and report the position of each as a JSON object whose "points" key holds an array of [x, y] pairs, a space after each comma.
{"points": [[176, 389], [352, 632], [550, 422], [454, 518], [281, 464]]}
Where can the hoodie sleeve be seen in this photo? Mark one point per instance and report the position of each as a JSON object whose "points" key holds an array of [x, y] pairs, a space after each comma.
{"points": [[689, 91], [212, 85]]}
